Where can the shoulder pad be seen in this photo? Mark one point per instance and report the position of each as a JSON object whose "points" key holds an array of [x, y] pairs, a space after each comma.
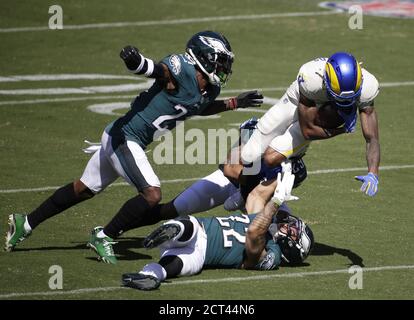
{"points": [[310, 78], [370, 89]]}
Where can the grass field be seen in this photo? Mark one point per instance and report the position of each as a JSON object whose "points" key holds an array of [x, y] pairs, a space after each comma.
{"points": [[42, 133]]}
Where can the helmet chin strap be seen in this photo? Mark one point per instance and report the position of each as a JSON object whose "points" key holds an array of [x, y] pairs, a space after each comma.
{"points": [[212, 78]]}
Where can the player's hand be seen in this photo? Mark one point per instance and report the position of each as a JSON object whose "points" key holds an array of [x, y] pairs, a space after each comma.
{"points": [[284, 185], [131, 57], [370, 184], [246, 99]]}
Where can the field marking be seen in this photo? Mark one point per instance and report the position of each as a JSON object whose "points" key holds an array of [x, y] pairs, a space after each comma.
{"points": [[118, 184], [203, 281], [173, 21], [66, 76], [123, 88]]}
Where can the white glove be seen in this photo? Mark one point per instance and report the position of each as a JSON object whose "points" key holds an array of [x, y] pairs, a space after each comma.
{"points": [[284, 186], [93, 147]]}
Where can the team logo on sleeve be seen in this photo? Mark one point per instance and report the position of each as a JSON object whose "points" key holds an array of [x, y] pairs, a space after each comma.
{"points": [[390, 8], [175, 64]]}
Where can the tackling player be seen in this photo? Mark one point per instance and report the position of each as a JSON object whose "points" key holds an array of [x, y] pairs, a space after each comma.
{"points": [[186, 85], [293, 122], [259, 241]]}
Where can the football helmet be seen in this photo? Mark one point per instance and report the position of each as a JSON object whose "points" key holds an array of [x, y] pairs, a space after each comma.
{"points": [[343, 79], [212, 53], [294, 237]]}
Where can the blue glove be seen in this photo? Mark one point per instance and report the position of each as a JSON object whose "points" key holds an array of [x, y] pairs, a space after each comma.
{"points": [[370, 184]]}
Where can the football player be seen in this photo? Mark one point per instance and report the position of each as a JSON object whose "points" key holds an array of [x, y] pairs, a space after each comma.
{"points": [[186, 85], [258, 241], [293, 122], [217, 189]]}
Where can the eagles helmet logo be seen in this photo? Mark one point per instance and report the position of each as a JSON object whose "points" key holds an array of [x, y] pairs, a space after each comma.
{"points": [[216, 44]]}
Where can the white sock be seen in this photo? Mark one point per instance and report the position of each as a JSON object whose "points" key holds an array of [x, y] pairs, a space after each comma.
{"points": [[26, 226], [155, 270], [101, 234]]}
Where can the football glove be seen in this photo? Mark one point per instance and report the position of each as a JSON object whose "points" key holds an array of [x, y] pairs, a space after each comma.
{"points": [[370, 184], [246, 99], [284, 185], [131, 57]]}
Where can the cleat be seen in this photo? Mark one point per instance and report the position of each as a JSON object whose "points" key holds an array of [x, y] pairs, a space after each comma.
{"points": [[163, 233], [140, 281], [102, 246], [16, 232]]}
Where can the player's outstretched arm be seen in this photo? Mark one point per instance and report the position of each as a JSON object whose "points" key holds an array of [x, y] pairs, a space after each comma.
{"points": [[256, 233], [369, 125], [248, 99], [138, 64]]}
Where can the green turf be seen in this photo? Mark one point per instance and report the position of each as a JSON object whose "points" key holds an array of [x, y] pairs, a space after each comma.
{"points": [[40, 146]]}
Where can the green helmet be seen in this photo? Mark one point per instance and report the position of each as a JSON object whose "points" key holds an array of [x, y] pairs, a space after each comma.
{"points": [[212, 53]]}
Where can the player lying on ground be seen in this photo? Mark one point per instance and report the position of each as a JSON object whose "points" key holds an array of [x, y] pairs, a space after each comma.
{"points": [[186, 85], [339, 81], [257, 241]]}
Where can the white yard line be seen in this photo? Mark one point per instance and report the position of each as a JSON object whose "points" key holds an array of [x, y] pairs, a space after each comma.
{"points": [[265, 276], [325, 171], [172, 22], [120, 88]]}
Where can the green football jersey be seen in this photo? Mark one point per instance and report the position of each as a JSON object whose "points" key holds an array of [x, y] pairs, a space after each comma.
{"points": [[157, 110], [226, 237]]}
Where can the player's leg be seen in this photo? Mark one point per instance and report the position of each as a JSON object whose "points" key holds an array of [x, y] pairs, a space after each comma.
{"points": [[182, 254], [273, 123], [205, 194], [129, 161], [97, 175], [289, 145]]}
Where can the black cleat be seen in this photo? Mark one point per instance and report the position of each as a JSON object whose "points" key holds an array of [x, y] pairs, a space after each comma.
{"points": [[163, 233], [140, 281]]}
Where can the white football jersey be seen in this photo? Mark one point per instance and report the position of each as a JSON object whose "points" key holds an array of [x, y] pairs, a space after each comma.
{"points": [[309, 83]]}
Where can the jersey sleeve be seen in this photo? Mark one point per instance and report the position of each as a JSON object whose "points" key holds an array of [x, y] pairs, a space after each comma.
{"points": [[370, 90], [272, 258], [309, 82]]}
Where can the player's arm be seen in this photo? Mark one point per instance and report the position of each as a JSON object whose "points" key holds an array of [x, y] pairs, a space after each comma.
{"points": [[307, 112], [369, 125], [246, 99], [256, 233], [138, 64]]}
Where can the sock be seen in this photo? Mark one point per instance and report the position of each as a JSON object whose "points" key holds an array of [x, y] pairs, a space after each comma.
{"points": [[101, 234], [62, 199], [27, 227], [147, 218], [155, 270], [173, 265], [129, 216]]}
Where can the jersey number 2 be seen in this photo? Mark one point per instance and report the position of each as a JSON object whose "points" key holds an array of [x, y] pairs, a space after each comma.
{"points": [[157, 122]]}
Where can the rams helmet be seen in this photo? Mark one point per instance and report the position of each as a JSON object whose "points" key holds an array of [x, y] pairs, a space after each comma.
{"points": [[343, 79]]}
